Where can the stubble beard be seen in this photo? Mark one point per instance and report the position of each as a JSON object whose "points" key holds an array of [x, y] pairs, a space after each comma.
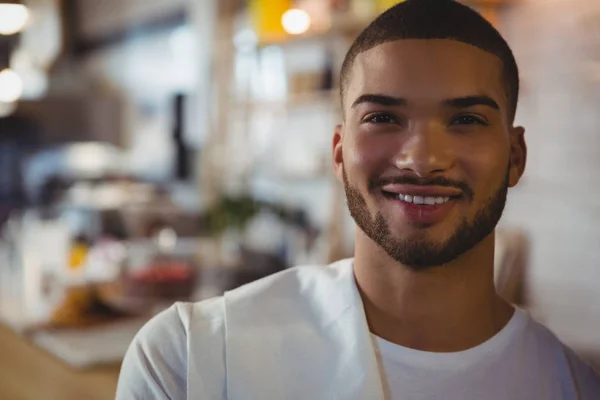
{"points": [[418, 252]]}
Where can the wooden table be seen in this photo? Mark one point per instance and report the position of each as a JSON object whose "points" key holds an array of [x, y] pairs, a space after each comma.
{"points": [[28, 373]]}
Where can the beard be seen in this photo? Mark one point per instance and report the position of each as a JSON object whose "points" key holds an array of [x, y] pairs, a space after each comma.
{"points": [[418, 252]]}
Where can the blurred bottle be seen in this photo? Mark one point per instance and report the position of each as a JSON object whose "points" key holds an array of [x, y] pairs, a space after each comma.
{"points": [[78, 253], [328, 75]]}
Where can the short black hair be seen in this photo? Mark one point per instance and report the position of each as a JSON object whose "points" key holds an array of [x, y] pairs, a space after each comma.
{"points": [[437, 19]]}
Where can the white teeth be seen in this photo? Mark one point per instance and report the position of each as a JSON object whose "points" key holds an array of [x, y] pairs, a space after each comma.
{"points": [[428, 200]]}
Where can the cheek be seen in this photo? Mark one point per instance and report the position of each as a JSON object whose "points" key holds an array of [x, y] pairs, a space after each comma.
{"points": [[485, 169], [367, 153]]}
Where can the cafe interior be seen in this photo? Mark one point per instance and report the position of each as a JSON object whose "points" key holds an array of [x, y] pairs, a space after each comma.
{"points": [[154, 151]]}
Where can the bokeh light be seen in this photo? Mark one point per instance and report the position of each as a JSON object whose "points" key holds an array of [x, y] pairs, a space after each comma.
{"points": [[13, 18], [295, 21], [11, 86]]}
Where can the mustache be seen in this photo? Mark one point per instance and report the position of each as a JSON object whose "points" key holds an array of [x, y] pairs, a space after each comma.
{"points": [[414, 180]]}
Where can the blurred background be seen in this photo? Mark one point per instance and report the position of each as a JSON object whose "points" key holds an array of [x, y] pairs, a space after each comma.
{"points": [[161, 150]]}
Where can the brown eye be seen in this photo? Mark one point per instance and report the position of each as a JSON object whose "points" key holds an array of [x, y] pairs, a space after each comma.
{"points": [[469, 120], [380, 118]]}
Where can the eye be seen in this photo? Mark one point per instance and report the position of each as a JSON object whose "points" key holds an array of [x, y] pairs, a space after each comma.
{"points": [[469, 120], [380, 118]]}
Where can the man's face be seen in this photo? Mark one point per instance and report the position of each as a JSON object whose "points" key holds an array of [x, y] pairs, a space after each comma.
{"points": [[426, 152]]}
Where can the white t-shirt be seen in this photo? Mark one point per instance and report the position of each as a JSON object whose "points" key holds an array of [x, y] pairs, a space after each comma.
{"points": [[302, 334], [523, 361]]}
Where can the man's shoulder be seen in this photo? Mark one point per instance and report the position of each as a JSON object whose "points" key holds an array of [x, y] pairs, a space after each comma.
{"points": [[209, 315], [541, 338], [291, 281], [163, 352], [552, 352], [167, 333], [545, 339], [155, 363], [187, 337]]}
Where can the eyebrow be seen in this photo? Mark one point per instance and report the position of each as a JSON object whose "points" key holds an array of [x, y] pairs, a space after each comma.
{"points": [[458, 102], [472, 101], [380, 99]]}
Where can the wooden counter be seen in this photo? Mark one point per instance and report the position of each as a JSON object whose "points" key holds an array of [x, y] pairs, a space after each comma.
{"points": [[29, 373]]}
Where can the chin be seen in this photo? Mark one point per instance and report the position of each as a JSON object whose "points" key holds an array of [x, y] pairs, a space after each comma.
{"points": [[421, 239], [435, 232]]}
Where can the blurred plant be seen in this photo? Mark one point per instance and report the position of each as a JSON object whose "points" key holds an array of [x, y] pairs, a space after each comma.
{"points": [[231, 212], [236, 212]]}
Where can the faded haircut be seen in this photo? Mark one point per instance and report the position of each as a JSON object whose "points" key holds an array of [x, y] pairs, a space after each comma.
{"points": [[437, 19]]}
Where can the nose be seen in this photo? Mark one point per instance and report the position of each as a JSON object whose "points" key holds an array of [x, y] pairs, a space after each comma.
{"points": [[426, 151]]}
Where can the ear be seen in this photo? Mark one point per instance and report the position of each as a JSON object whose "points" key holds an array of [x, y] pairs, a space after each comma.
{"points": [[518, 155], [338, 157]]}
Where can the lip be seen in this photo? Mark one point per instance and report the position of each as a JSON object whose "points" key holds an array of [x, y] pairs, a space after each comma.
{"points": [[417, 190], [423, 215]]}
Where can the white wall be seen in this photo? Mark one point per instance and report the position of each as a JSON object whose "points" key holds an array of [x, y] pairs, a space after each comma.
{"points": [[556, 42]]}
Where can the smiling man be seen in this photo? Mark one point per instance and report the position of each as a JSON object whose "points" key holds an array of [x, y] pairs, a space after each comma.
{"points": [[427, 152]]}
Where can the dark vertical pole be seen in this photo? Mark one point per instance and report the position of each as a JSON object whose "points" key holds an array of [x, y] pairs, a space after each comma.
{"points": [[181, 152], [7, 45]]}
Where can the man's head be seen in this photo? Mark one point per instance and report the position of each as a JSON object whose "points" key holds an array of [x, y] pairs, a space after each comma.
{"points": [[437, 19], [429, 93]]}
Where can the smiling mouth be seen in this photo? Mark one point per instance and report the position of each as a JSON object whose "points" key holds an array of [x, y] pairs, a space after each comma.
{"points": [[420, 210], [420, 200]]}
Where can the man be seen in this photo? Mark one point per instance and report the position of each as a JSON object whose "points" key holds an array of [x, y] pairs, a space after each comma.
{"points": [[426, 152]]}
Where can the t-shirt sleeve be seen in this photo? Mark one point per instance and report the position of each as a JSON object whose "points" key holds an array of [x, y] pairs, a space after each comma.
{"points": [[587, 379], [155, 365]]}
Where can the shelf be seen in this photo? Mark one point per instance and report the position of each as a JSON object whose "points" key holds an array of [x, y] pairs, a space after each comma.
{"points": [[318, 98]]}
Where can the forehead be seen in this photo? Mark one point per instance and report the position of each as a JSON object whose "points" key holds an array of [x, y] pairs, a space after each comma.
{"points": [[426, 69]]}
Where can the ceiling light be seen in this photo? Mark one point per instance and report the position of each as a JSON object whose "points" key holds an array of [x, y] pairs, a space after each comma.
{"points": [[11, 86], [13, 18], [295, 21]]}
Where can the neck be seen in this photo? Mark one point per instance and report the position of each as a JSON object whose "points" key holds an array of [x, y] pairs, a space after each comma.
{"points": [[443, 309]]}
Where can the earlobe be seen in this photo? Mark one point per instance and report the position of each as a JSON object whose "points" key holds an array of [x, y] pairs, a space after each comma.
{"points": [[518, 155], [338, 158]]}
